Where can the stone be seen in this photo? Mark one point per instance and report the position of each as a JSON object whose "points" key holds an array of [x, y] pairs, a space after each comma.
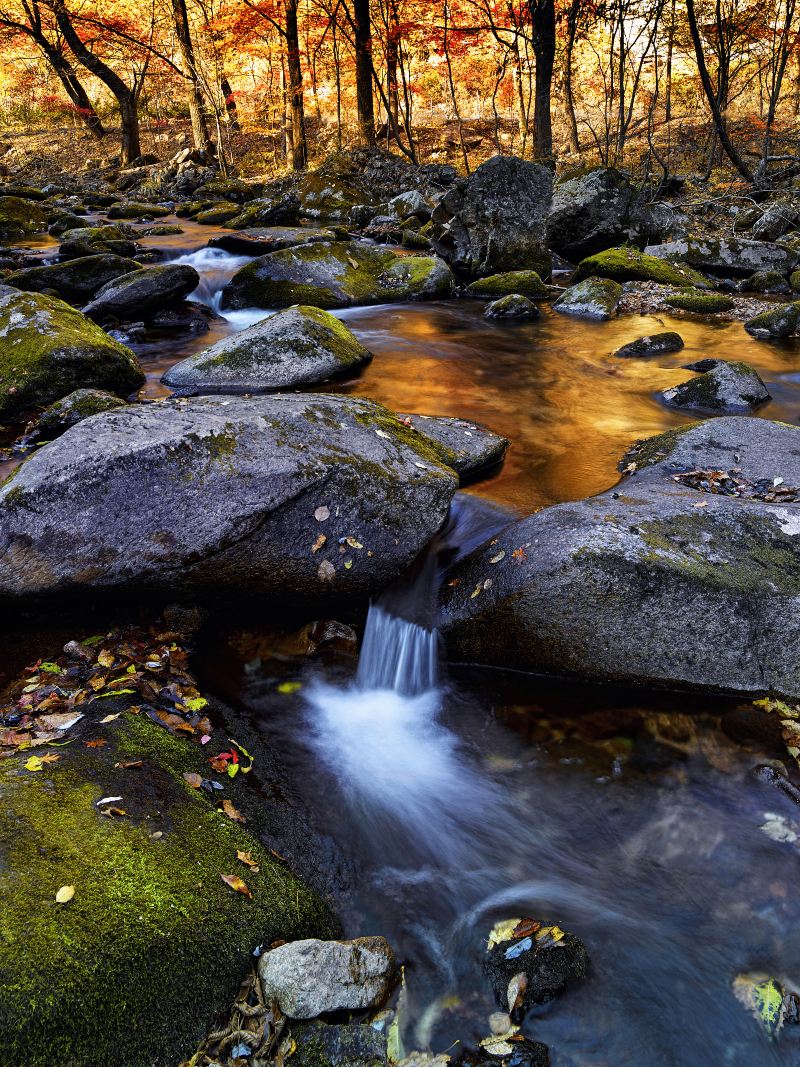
{"points": [[593, 298], [650, 588], [142, 293], [766, 281], [469, 448], [92, 240], [49, 349], [524, 282], [729, 388], [631, 265], [550, 959], [777, 220], [728, 256], [512, 307], [217, 214], [699, 303], [356, 1045], [19, 218], [495, 220], [311, 977], [73, 408], [218, 494], [655, 344], [63, 223], [777, 322], [281, 209], [298, 346], [411, 202], [75, 280], [129, 209], [509, 1050], [260, 240]]}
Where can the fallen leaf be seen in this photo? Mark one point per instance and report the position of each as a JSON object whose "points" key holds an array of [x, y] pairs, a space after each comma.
{"points": [[516, 991], [322, 513], [232, 812], [194, 780], [65, 894], [320, 541], [106, 658], [353, 543], [500, 555], [126, 764], [502, 931], [114, 812], [107, 800], [98, 742], [110, 718], [248, 860], [235, 882], [526, 927], [33, 763], [326, 571]]}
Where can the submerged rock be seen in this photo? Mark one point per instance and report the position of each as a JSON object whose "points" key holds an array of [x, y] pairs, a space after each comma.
{"points": [[298, 346], [728, 388], [73, 408], [593, 298], [523, 282], [655, 344], [354, 1045], [778, 322], [308, 978], [260, 240], [495, 220], [49, 349], [304, 498], [512, 307], [650, 587], [143, 293], [75, 280], [727, 256]]}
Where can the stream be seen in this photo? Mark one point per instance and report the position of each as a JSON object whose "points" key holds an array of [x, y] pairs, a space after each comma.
{"points": [[458, 797]]}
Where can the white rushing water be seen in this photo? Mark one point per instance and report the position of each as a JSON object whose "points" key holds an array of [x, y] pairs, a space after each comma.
{"points": [[216, 268]]}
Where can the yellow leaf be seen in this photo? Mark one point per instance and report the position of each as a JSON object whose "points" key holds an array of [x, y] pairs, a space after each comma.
{"points": [[289, 687], [65, 894], [248, 860], [232, 812], [235, 882], [320, 541], [33, 763], [500, 555], [502, 931], [106, 658], [353, 543]]}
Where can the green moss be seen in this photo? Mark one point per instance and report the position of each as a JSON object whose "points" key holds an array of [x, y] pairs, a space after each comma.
{"points": [[426, 448], [700, 303], [629, 264], [130, 973], [134, 210], [651, 450], [525, 282], [217, 214], [19, 217]]}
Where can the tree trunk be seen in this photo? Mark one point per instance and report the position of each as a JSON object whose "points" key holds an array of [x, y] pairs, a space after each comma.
{"points": [[392, 55], [230, 103], [572, 29], [670, 49], [363, 41], [73, 88], [200, 135], [299, 145], [543, 20]]}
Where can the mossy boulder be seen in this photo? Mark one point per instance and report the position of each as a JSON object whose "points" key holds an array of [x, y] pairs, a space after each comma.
{"points": [[332, 274], [513, 307], [728, 388], [468, 447], [321, 1044], [592, 298], [628, 264], [19, 217], [129, 972], [794, 281], [298, 346], [777, 322], [766, 281], [130, 209], [334, 198], [63, 222], [280, 209], [217, 214], [650, 589], [23, 192], [525, 282], [92, 240], [230, 189], [72, 409], [75, 280], [728, 256], [140, 295], [189, 210], [700, 303], [49, 349], [654, 344], [260, 240]]}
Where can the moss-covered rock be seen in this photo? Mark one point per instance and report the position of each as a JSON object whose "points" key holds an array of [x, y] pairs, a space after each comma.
{"points": [[729, 388], [63, 222], [525, 282], [628, 264], [280, 209], [592, 298], [217, 214], [230, 189], [777, 322], [188, 211], [261, 240], [143, 293], [72, 409], [298, 346], [48, 349], [92, 240], [699, 303], [130, 971], [727, 255], [75, 280], [130, 209], [654, 344], [794, 281], [766, 281], [19, 217], [513, 306]]}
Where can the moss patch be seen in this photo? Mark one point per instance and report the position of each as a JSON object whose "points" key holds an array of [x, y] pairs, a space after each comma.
{"points": [[19, 217], [630, 265], [525, 282], [700, 303]]}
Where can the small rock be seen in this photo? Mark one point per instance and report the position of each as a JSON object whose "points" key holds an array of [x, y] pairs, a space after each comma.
{"points": [[357, 1045], [655, 344], [79, 405], [513, 306], [728, 388], [593, 298], [766, 281], [780, 321]]}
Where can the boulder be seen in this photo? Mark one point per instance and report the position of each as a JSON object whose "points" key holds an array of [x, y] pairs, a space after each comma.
{"points": [[593, 298], [655, 344], [73, 408], [19, 217], [495, 220], [143, 293], [280, 209], [512, 307], [728, 388], [331, 274], [245, 495], [598, 210], [308, 978], [333, 197], [765, 281], [631, 265], [777, 322], [340, 1045], [699, 303], [525, 282], [777, 220], [260, 240], [651, 588], [130, 209], [75, 280], [411, 202], [217, 214], [64, 222], [230, 189], [92, 240], [468, 447], [728, 256], [298, 346], [49, 349]]}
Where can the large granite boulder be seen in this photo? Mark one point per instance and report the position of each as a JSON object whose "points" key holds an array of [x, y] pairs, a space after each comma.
{"points": [[598, 210], [687, 574], [728, 255], [304, 498], [259, 240], [495, 220], [142, 294], [49, 349], [75, 280], [630, 265], [298, 346]]}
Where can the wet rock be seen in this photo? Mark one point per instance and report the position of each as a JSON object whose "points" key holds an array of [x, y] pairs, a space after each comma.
{"points": [[309, 978], [331, 274], [593, 298], [766, 281], [225, 494], [524, 282], [533, 966], [76, 280], [631, 265], [769, 775], [64, 222], [260, 240], [217, 214], [777, 220], [509, 1050], [231, 189], [468, 447], [357, 1045], [411, 202], [49, 349], [186, 317], [298, 346], [655, 344], [729, 388], [93, 240], [650, 588], [19, 217], [129, 209], [598, 210], [73, 408], [495, 220], [131, 333], [779, 321], [280, 209], [699, 303], [143, 292], [513, 306], [728, 256]]}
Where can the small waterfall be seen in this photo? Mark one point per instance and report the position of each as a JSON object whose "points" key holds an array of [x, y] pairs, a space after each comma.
{"points": [[216, 268], [397, 655]]}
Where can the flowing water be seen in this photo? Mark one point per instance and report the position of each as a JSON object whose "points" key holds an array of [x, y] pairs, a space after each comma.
{"points": [[461, 797]]}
